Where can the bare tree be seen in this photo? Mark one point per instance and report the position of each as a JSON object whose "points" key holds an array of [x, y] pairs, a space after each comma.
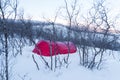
{"points": [[52, 38], [8, 9], [72, 12], [100, 24]]}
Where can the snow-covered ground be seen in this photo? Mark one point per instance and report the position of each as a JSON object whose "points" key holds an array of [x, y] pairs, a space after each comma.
{"points": [[25, 69]]}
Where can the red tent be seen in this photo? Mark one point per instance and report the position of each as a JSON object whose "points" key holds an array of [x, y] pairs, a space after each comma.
{"points": [[45, 48]]}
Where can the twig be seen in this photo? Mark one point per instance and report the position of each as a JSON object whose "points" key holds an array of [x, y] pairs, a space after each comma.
{"points": [[35, 62]]}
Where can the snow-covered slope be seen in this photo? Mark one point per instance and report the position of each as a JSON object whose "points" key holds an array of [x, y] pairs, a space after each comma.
{"points": [[25, 69]]}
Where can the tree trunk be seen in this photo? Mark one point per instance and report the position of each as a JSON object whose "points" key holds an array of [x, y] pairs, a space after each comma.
{"points": [[6, 56]]}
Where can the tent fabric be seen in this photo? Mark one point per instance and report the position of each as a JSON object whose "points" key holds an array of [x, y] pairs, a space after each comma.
{"points": [[50, 48]]}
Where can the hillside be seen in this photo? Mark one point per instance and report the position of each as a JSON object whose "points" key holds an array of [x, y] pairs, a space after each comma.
{"points": [[80, 35]]}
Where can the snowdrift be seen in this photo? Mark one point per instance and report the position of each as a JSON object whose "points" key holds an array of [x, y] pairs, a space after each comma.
{"points": [[50, 48]]}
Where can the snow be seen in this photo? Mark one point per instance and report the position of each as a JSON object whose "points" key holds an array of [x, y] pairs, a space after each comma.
{"points": [[26, 69]]}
